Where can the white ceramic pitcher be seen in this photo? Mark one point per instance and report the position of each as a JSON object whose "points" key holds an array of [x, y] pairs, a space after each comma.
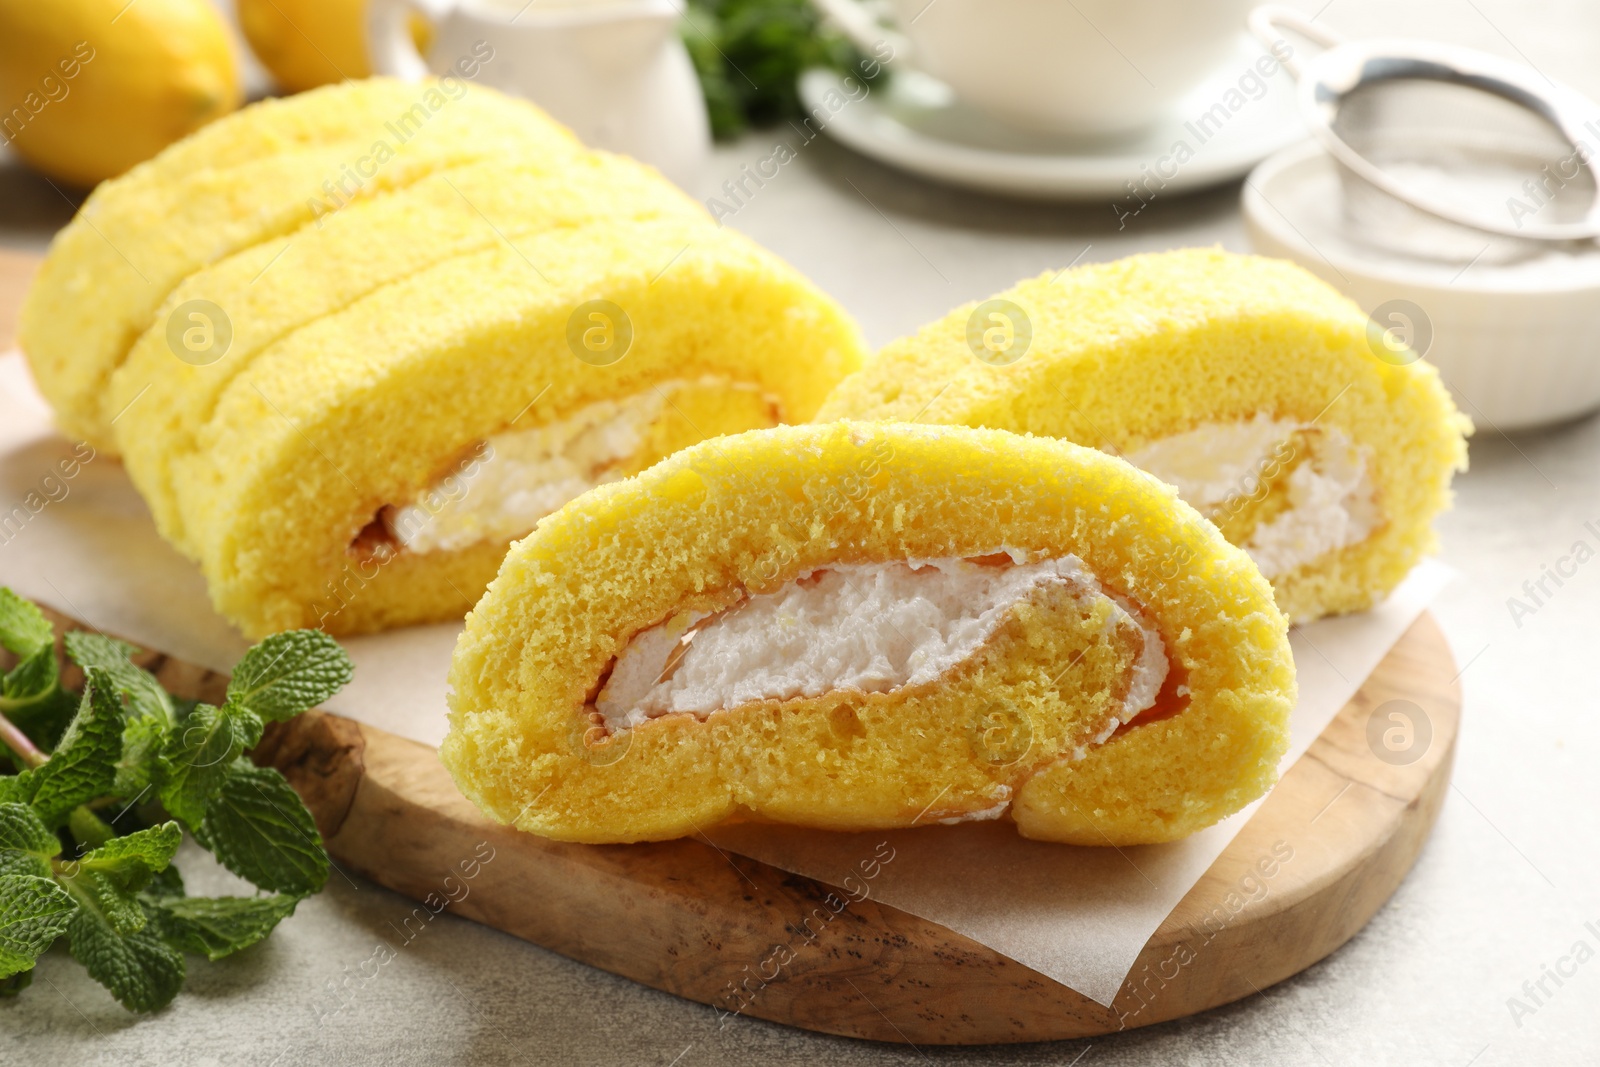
{"points": [[613, 70]]}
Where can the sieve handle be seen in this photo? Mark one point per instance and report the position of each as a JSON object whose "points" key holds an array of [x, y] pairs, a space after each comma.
{"points": [[1267, 22]]}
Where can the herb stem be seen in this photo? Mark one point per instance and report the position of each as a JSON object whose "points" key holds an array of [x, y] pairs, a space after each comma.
{"points": [[19, 742], [88, 829]]}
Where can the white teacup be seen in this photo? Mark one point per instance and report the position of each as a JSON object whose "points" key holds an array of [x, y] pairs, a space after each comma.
{"points": [[612, 70], [1086, 67]]}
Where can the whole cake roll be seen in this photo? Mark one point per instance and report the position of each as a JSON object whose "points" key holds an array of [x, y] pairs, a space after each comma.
{"points": [[256, 175], [346, 416], [866, 625], [1320, 445]]}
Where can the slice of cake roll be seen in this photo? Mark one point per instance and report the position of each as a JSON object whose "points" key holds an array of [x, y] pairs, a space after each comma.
{"points": [[1320, 445], [872, 625], [259, 174], [369, 468], [276, 289]]}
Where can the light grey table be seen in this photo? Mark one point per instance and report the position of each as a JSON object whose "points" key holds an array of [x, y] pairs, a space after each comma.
{"points": [[1503, 890]]}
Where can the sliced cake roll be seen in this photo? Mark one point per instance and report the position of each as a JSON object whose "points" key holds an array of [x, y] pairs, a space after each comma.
{"points": [[1319, 445], [869, 625], [275, 289], [259, 174], [368, 469], [344, 399]]}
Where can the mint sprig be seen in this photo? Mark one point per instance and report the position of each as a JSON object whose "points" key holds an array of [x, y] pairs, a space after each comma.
{"points": [[124, 744], [150, 710], [196, 756]]}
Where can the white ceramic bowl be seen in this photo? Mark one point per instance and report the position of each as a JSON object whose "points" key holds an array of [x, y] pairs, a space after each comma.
{"points": [[1518, 344]]}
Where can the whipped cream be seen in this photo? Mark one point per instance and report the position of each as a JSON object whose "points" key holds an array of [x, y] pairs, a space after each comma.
{"points": [[1331, 506], [516, 478], [1216, 461], [868, 627], [1331, 503]]}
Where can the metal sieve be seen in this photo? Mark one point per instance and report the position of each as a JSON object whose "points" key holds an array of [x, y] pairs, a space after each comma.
{"points": [[1442, 150]]}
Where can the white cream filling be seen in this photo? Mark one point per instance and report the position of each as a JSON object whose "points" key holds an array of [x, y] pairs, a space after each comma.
{"points": [[1331, 493], [520, 476], [1216, 461], [867, 627], [1331, 506]]}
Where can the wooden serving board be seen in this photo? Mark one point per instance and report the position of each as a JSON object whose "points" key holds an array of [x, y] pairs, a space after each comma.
{"points": [[688, 919]]}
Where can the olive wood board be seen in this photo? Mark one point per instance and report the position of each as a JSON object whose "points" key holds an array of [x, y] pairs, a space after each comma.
{"points": [[686, 918]]}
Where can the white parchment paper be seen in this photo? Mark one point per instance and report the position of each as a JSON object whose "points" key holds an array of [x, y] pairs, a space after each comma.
{"points": [[84, 544]]}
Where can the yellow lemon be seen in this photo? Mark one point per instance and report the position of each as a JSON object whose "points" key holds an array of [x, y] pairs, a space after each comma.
{"points": [[88, 88], [306, 43]]}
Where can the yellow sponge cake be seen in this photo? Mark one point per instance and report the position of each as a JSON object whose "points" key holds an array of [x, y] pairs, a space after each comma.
{"points": [[858, 625], [1321, 447]]}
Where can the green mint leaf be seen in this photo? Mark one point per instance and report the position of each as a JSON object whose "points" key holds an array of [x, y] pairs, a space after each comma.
{"points": [[26, 843], [258, 828], [150, 711], [197, 755], [130, 862], [142, 741], [10, 987], [18, 788], [33, 913], [23, 628], [84, 764], [215, 927], [288, 673], [14, 862], [30, 682], [102, 895], [145, 697], [21, 829], [142, 971]]}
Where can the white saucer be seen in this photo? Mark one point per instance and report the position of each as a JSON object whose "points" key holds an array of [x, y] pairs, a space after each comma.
{"points": [[916, 124]]}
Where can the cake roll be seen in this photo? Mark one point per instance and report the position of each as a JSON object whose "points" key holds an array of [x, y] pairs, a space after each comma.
{"points": [[258, 174], [1316, 442], [370, 468], [345, 415], [872, 625], [277, 288]]}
